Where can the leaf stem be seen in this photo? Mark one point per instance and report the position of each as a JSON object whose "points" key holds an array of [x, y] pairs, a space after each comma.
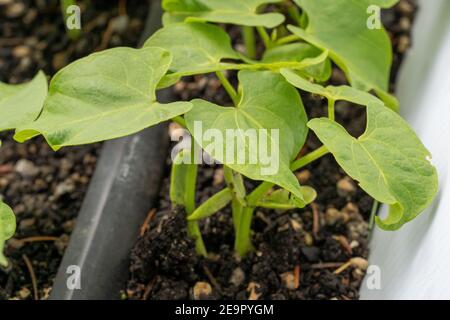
{"points": [[242, 66], [243, 232], [192, 226], [180, 120], [287, 39], [265, 37], [243, 243], [228, 87], [236, 206], [265, 187], [309, 158], [248, 34], [331, 109]]}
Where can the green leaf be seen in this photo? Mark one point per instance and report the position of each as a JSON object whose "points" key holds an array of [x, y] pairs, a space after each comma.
{"points": [[389, 161], [267, 102], [213, 205], [219, 11], [21, 104], [299, 52], [282, 200], [7, 229], [365, 55], [104, 96], [334, 93], [196, 48]]}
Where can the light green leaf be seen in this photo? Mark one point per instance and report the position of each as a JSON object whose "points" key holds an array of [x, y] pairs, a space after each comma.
{"points": [[219, 11], [196, 48], [104, 96], [21, 104], [389, 161], [268, 103], [299, 52], [330, 92], [7, 229], [213, 205], [282, 200], [364, 54]]}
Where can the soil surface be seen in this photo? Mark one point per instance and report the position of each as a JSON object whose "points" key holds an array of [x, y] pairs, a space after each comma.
{"points": [[44, 188], [299, 254]]}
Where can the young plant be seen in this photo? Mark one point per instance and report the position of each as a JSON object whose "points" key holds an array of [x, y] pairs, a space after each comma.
{"points": [[113, 93]]}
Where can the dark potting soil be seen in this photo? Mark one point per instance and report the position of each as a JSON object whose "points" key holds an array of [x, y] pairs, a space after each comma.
{"points": [[298, 254], [44, 188]]}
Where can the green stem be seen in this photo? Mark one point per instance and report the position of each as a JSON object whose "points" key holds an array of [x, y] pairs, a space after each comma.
{"points": [[265, 37], [192, 226], [243, 239], [73, 34], [294, 13], [243, 66], [243, 243], [373, 214], [309, 158], [287, 39], [248, 34], [259, 192], [228, 87], [265, 187], [180, 120], [236, 205], [331, 111]]}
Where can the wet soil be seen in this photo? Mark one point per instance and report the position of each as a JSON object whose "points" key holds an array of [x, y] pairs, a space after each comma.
{"points": [[45, 188], [298, 254]]}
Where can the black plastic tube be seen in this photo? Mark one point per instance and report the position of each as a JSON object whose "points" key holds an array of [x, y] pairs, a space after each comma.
{"points": [[121, 193]]}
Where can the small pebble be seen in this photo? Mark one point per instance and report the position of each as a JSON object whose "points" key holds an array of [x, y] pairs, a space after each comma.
{"points": [[24, 293], [333, 216], [253, 289], [296, 225], [360, 263], [21, 52], [120, 24], [288, 280], [237, 277], [345, 187], [304, 176], [403, 44], [15, 10], [202, 290], [218, 177], [26, 168]]}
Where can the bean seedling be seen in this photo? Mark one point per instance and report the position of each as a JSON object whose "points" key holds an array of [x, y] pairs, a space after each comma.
{"points": [[113, 94]]}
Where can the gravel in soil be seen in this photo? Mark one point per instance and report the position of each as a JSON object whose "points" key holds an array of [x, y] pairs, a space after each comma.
{"points": [[45, 188], [298, 254]]}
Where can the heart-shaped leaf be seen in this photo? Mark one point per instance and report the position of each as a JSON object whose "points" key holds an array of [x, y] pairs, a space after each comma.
{"points": [[271, 112], [230, 11], [364, 54], [389, 161], [7, 229], [21, 104], [196, 47], [299, 52], [104, 96]]}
